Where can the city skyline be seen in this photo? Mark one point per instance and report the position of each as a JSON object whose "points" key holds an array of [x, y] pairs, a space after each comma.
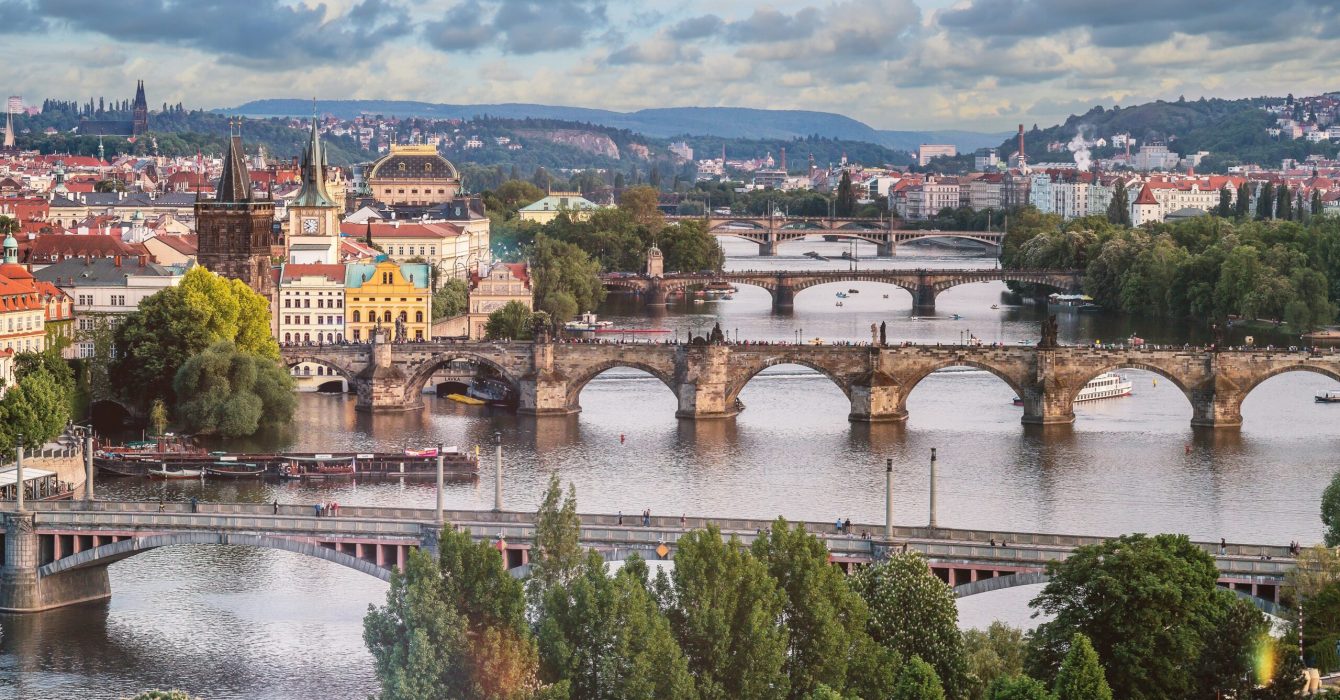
{"points": [[894, 64]]}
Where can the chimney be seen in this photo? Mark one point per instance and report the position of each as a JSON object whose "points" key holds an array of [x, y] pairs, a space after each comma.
{"points": [[1021, 140], [144, 260], [117, 258]]}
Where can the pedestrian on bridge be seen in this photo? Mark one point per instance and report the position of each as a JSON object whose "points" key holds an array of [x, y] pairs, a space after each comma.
{"points": [[621, 517], [195, 504], [276, 506]]}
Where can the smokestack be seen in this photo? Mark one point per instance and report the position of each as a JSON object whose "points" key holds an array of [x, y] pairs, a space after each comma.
{"points": [[1021, 141]]}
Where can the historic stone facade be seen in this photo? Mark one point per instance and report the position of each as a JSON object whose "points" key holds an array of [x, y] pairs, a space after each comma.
{"points": [[707, 378], [235, 228]]}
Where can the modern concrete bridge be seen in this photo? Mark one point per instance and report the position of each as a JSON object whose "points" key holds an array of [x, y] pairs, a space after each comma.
{"points": [[771, 231], [57, 553], [924, 284], [707, 378]]}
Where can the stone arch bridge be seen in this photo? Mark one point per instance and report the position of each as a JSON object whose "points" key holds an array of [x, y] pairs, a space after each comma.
{"points": [[924, 284], [707, 379], [769, 232], [57, 554]]}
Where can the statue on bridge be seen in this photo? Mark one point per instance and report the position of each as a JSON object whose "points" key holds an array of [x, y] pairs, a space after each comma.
{"points": [[717, 337], [874, 334], [539, 328], [883, 333], [1048, 340]]}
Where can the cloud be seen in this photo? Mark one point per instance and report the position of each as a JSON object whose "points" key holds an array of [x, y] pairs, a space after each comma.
{"points": [[519, 27], [256, 32], [692, 28], [769, 25], [19, 17]]}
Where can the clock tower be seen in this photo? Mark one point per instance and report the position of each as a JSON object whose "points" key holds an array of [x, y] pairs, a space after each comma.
{"points": [[313, 216]]}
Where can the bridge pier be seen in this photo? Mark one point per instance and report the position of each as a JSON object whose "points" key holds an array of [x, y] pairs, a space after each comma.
{"points": [[544, 391], [1217, 408], [877, 399], [767, 248], [704, 391], [783, 296], [656, 296], [924, 297], [23, 591], [382, 385], [886, 249]]}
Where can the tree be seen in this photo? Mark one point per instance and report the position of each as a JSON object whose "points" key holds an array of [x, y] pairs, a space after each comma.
{"points": [[1152, 642], [1283, 203], [51, 363], [557, 267], [608, 639], [158, 417], [1265, 200], [556, 556], [825, 618], [845, 204], [1081, 677], [226, 391], [454, 627], [36, 407], [688, 247], [1242, 206], [726, 612], [155, 340], [1317, 207], [450, 299], [1018, 687], [913, 614], [512, 322], [917, 681], [1225, 201], [643, 205], [994, 653], [9, 226], [1119, 209]]}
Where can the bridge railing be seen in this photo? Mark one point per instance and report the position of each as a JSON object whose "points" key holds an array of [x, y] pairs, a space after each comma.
{"points": [[285, 524]]}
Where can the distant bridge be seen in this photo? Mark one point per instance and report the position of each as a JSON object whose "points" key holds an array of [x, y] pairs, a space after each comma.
{"points": [[924, 284], [57, 553], [771, 231]]}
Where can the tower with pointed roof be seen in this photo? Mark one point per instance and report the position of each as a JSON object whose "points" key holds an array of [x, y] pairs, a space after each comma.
{"points": [[139, 120], [314, 216], [9, 130], [235, 228]]}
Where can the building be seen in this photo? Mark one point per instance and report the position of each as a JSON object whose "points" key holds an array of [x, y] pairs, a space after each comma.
{"points": [[543, 211], [985, 159], [927, 199], [984, 191], [414, 175], [310, 306], [22, 313], [394, 297], [504, 283], [168, 249], [314, 215], [444, 245], [1145, 208], [927, 151], [49, 249], [234, 230], [105, 290]]}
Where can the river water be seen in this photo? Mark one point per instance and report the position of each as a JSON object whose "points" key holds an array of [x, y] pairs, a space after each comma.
{"points": [[229, 622]]}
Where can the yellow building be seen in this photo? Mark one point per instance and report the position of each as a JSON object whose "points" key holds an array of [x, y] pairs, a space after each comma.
{"points": [[577, 207], [413, 175], [505, 282], [392, 296]]}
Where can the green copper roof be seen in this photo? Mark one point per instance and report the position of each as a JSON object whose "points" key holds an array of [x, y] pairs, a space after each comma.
{"points": [[313, 192]]}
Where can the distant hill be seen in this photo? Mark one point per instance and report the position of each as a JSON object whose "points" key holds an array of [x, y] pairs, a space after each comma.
{"points": [[725, 122]]}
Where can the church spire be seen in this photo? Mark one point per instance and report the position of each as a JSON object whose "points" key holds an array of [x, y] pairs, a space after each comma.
{"points": [[313, 192], [9, 129], [235, 183]]}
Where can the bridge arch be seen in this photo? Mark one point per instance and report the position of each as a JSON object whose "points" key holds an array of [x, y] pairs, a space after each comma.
{"points": [[1087, 376], [124, 549], [1300, 366], [741, 378], [291, 361], [579, 382], [910, 383], [1031, 578], [422, 372]]}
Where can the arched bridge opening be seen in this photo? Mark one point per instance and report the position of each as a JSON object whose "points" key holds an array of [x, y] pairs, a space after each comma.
{"points": [[620, 382], [940, 390], [491, 378]]}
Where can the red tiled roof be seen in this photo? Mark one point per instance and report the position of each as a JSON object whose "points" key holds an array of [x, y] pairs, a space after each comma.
{"points": [[55, 247], [1146, 196], [403, 230], [293, 271], [186, 245]]}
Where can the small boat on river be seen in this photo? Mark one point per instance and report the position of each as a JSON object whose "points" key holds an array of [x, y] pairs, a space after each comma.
{"points": [[1328, 397], [235, 470], [166, 474]]}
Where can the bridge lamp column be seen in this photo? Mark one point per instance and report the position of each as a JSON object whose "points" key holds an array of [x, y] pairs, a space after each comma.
{"points": [[440, 457], [88, 465], [18, 469], [888, 500], [932, 523], [497, 472]]}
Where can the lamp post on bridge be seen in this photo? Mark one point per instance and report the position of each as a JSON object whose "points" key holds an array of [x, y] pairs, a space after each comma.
{"points": [[888, 500], [932, 523], [440, 457], [18, 469], [497, 472]]}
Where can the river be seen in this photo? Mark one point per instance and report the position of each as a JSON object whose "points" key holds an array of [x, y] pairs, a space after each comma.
{"points": [[229, 622]]}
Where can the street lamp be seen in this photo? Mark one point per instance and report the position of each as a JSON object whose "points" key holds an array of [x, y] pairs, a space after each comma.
{"points": [[497, 472], [18, 469]]}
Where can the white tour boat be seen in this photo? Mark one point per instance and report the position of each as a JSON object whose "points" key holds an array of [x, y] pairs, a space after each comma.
{"points": [[1108, 385]]}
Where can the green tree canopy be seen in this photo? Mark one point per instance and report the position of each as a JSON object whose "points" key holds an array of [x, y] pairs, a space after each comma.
{"points": [[1018, 687], [558, 267], [913, 614], [229, 392], [450, 299], [917, 681], [1150, 607], [995, 652], [1081, 677], [512, 322], [36, 407], [726, 612], [688, 247]]}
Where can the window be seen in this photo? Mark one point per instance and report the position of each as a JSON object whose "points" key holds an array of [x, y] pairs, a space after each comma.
{"points": [[357, 335], [306, 320], [356, 319], [288, 338], [288, 320], [118, 300], [306, 303], [288, 303], [418, 317], [386, 317]]}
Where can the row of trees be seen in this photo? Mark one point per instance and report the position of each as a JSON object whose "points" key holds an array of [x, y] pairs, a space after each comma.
{"points": [[1136, 617], [204, 349], [39, 403], [1207, 268]]}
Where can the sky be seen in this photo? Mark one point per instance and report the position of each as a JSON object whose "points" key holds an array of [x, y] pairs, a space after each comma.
{"points": [[894, 64]]}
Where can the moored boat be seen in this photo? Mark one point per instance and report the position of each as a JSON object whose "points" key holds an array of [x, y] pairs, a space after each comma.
{"points": [[235, 470], [1328, 397], [1108, 385], [172, 474]]}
